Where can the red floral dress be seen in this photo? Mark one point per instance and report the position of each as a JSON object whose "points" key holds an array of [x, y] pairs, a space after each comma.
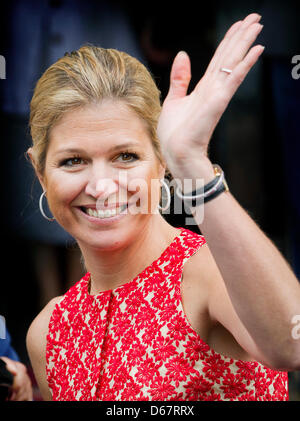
{"points": [[135, 343]]}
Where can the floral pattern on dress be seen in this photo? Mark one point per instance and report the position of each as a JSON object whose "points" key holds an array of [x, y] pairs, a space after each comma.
{"points": [[135, 343]]}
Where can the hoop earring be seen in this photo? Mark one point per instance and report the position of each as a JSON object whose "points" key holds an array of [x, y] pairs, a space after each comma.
{"points": [[41, 207], [164, 184]]}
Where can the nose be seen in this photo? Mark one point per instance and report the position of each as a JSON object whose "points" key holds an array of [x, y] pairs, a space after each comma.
{"points": [[101, 185]]}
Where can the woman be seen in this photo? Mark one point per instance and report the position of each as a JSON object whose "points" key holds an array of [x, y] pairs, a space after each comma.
{"points": [[162, 313]]}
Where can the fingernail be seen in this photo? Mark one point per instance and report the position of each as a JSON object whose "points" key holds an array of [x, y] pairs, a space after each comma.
{"points": [[182, 52]]}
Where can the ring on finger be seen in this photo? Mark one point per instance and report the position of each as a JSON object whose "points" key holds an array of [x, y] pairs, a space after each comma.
{"points": [[224, 69]]}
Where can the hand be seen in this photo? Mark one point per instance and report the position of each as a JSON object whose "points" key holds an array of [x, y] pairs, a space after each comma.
{"points": [[21, 388], [187, 122]]}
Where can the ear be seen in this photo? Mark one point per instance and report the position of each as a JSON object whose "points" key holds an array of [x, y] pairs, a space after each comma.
{"points": [[31, 155]]}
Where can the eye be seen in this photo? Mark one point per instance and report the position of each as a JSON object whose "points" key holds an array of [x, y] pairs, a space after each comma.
{"points": [[72, 162], [128, 156]]}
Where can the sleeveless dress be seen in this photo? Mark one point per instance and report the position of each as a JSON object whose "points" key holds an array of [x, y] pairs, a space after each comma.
{"points": [[135, 343]]}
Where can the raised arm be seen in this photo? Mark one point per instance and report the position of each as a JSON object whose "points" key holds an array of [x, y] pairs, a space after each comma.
{"points": [[263, 289]]}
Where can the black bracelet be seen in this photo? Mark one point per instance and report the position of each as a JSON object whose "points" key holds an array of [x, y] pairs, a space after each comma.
{"points": [[209, 185], [195, 202], [216, 193], [216, 186]]}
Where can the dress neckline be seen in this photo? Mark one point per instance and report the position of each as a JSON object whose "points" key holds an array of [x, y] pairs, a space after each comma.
{"points": [[155, 262]]}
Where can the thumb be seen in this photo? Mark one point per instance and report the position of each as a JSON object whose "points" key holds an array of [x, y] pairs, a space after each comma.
{"points": [[180, 76], [10, 365]]}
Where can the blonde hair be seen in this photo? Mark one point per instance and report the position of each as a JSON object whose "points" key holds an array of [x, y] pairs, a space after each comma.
{"points": [[86, 76]]}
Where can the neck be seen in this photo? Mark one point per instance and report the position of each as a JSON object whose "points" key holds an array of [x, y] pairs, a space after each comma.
{"points": [[112, 268]]}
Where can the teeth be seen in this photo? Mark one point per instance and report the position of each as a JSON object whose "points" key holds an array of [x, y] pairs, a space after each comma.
{"points": [[106, 213]]}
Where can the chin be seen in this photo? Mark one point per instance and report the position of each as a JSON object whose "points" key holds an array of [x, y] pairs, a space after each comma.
{"points": [[108, 238], [103, 244]]}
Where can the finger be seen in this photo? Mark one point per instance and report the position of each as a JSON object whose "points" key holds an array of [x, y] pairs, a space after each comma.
{"points": [[180, 76], [21, 396], [240, 42], [234, 80], [22, 393], [234, 32], [242, 47], [12, 396], [222, 45], [29, 395]]}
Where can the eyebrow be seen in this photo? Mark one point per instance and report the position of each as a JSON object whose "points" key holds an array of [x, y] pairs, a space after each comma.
{"points": [[113, 149]]}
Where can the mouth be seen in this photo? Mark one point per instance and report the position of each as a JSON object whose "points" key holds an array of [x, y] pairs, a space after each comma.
{"points": [[104, 214]]}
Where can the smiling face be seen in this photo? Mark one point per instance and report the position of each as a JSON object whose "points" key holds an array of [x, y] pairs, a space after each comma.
{"points": [[100, 159]]}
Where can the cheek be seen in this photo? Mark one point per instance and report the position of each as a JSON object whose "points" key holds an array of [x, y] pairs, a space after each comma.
{"points": [[61, 191], [143, 188]]}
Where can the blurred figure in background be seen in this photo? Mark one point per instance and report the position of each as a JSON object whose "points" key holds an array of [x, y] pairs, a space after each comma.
{"points": [[20, 388]]}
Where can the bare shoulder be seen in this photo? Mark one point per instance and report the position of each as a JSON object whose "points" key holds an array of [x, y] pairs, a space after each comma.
{"points": [[36, 345], [39, 326], [202, 264]]}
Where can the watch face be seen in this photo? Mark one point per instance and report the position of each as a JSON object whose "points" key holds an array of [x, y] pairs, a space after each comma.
{"points": [[218, 170]]}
